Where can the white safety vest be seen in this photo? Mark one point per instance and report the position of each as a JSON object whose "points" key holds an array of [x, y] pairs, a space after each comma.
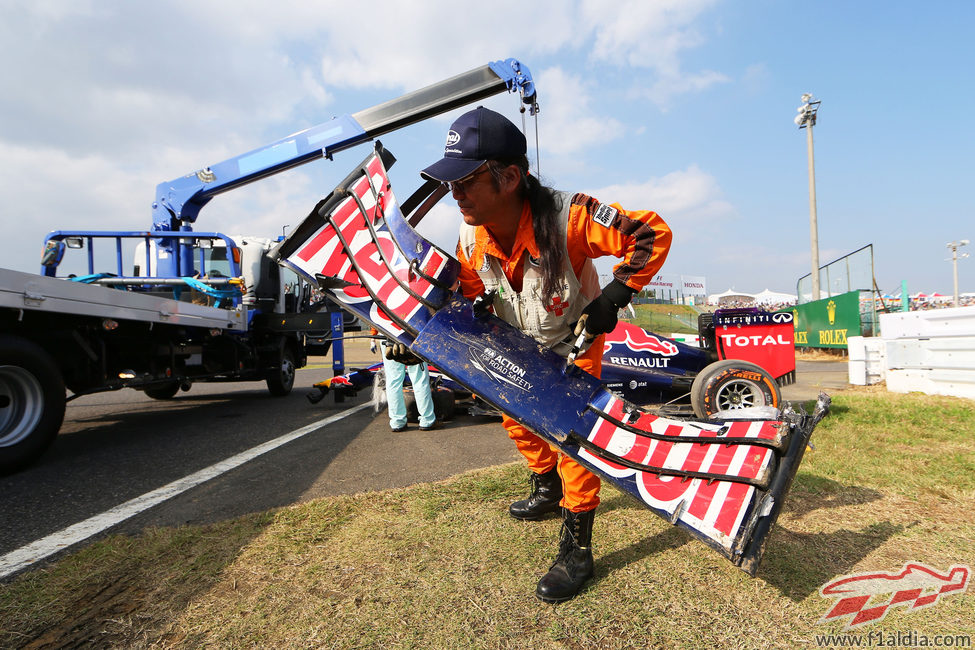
{"points": [[547, 321]]}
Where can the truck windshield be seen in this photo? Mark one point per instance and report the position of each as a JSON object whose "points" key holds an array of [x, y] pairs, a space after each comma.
{"points": [[217, 263]]}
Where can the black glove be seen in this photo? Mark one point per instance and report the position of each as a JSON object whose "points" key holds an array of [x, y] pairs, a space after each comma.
{"points": [[400, 352], [600, 316], [483, 303]]}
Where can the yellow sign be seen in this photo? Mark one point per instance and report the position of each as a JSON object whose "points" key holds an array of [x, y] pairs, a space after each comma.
{"points": [[832, 337]]}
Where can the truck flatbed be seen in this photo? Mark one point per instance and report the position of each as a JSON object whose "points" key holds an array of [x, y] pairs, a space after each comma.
{"points": [[28, 291]]}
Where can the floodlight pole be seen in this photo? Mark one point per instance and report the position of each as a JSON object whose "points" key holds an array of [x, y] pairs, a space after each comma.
{"points": [[954, 246], [806, 119], [813, 227]]}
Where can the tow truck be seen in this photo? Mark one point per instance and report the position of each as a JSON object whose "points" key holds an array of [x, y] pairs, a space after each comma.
{"points": [[171, 306]]}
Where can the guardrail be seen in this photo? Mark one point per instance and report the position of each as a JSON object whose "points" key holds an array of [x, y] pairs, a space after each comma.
{"points": [[932, 352]]}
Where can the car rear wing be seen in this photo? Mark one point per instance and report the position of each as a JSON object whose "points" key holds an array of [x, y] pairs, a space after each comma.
{"points": [[755, 335]]}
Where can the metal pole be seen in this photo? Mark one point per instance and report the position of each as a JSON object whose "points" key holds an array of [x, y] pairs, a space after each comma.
{"points": [[954, 246], [954, 268], [813, 229]]}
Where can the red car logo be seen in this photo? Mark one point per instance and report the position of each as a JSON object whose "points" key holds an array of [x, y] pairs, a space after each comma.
{"points": [[638, 339], [916, 586]]}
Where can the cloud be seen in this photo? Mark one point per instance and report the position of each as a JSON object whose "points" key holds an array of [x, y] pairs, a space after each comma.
{"points": [[650, 34], [115, 78], [405, 45], [119, 74], [114, 74], [690, 201], [653, 35], [570, 125], [642, 33], [669, 86], [48, 189], [109, 99], [690, 196]]}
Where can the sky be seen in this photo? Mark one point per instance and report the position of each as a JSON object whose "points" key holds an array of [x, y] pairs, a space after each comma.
{"points": [[684, 107]]}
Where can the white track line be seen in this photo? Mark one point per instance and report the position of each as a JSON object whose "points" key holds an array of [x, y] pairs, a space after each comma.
{"points": [[35, 551]]}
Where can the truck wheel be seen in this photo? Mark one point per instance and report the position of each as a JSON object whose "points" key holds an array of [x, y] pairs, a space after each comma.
{"points": [[281, 379], [31, 402], [163, 391], [732, 384]]}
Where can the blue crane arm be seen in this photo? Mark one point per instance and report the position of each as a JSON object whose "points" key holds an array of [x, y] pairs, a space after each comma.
{"points": [[178, 202]]}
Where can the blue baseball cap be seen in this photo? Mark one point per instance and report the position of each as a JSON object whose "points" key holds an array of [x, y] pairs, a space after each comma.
{"points": [[474, 138]]}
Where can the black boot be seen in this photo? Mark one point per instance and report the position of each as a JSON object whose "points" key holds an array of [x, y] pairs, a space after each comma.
{"points": [[544, 498], [573, 566]]}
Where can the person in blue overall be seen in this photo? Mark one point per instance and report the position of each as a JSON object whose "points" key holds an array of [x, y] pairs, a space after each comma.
{"points": [[420, 378]]}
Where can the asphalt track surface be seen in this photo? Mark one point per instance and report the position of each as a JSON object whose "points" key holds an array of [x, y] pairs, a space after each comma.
{"points": [[118, 447]]}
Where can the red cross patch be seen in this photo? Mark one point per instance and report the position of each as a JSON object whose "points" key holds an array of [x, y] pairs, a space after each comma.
{"points": [[557, 306]]}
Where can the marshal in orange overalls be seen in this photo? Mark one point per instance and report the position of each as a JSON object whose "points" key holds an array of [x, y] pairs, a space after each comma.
{"points": [[640, 238]]}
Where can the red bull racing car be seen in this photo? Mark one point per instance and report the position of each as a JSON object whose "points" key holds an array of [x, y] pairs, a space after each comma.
{"points": [[745, 356]]}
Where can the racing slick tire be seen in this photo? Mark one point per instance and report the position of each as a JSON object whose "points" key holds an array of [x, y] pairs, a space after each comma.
{"points": [[732, 384], [280, 380], [444, 404], [32, 399], [162, 391]]}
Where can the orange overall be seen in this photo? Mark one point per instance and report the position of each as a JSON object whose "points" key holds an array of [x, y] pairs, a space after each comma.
{"points": [[640, 238]]}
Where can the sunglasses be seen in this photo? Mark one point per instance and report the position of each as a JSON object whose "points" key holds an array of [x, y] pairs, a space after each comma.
{"points": [[464, 183]]}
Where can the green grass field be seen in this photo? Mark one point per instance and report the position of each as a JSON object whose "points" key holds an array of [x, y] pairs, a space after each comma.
{"points": [[666, 319], [891, 481]]}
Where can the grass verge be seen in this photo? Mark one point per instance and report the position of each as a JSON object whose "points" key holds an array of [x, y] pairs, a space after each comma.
{"points": [[666, 319], [442, 565]]}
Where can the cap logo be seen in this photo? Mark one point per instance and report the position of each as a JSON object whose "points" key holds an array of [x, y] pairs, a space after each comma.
{"points": [[452, 137]]}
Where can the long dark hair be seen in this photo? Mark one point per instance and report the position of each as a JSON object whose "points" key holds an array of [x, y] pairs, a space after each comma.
{"points": [[545, 205]]}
